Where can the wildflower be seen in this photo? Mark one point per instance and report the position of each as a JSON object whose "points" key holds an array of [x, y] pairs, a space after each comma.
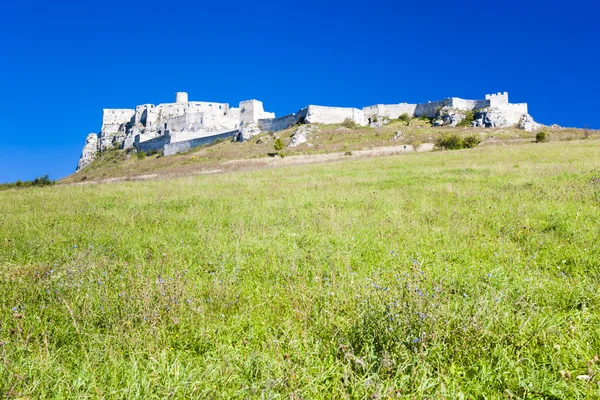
{"points": [[416, 340], [489, 275]]}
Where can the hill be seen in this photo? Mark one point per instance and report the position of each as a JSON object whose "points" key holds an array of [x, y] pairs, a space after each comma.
{"points": [[464, 274], [335, 141]]}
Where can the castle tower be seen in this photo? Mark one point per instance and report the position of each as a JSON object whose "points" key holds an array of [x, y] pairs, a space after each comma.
{"points": [[181, 97]]}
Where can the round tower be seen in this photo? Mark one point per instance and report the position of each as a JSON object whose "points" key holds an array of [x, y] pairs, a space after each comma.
{"points": [[181, 97]]}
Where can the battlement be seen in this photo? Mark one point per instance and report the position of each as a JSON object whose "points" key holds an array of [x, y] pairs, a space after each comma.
{"points": [[497, 99]]}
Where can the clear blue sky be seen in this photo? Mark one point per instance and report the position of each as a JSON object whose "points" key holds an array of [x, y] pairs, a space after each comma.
{"points": [[63, 62]]}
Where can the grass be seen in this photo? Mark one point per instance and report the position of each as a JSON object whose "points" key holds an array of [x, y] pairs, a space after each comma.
{"points": [[464, 274]]}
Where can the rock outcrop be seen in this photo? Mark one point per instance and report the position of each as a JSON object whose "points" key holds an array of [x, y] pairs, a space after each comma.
{"points": [[88, 154], [449, 116], [489, 117], [378, 121], [248, 131], [300, 135], [528, 124]]}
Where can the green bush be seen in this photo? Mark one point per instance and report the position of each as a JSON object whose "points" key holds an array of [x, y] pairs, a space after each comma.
{"points": [[449, 142], [455, 142], [278, 146], [141, 155], [541, 137], [350, 124], [404, 117], [468, 120], [471, 141]]}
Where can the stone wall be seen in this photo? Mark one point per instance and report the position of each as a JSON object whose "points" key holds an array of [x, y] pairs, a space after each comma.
{"points": [[117, 116], [513, 112], [178, 147], [497, 100], [251, 111], [463, 104], [392, 111], [156, 144], [431, 108], [281, 123], [333, 115]]}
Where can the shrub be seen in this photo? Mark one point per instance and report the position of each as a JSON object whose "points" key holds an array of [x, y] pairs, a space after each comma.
{"points": [[278, 146], [350, 124], [541, 137], [471, 141], [449, 142], [141, 155], [468, 119], [404, 117]]}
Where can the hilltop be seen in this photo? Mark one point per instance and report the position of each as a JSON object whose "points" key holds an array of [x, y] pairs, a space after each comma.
{"points": [[172, 128], [305, 143]]}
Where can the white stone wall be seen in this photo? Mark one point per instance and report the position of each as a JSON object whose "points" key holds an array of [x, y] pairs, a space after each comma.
{"points": [[497, 100], [117, 116], [513, 112], [251, 111], [467, 105], [281, 123], [333, 115], [430, 109], [392, 111]]}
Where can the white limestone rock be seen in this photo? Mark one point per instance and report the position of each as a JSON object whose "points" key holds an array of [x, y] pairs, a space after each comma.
{"points": [[528, 124], [300, 135], [88, 154], [378, 121], [248, 131], [449, 116], [490, 117]]}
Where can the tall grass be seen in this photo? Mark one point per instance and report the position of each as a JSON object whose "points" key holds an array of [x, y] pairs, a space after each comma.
{"points": [[466, 274]]}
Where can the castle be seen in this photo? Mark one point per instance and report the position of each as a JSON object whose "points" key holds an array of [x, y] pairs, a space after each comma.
{"points": [[179, 126]]}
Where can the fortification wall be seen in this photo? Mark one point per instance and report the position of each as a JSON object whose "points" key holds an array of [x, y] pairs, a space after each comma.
{"points": [[430, 109], [202, 106], [155, 144], [117, 116], [251, 111], [171, 110], [513, 112], [392, 111], [463, 104], [497, 100], [334, 115], [178, 147], [281, 123]]}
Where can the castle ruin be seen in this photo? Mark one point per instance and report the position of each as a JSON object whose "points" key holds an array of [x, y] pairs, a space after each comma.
{"points": [[179, 126]]}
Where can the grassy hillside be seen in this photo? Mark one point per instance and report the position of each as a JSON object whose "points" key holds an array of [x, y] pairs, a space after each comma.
{"points": [[463, 274], [326, 139]]}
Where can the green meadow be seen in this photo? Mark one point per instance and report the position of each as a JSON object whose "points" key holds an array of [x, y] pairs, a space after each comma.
{"points": [[456, 274]]}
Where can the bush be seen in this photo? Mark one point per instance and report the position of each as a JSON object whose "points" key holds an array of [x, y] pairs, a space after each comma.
{"points": [[471, 141], [467, 120], [449, 142], [404, 117], [141, 155], [350, 124], [278, 146], [541, 137]]}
